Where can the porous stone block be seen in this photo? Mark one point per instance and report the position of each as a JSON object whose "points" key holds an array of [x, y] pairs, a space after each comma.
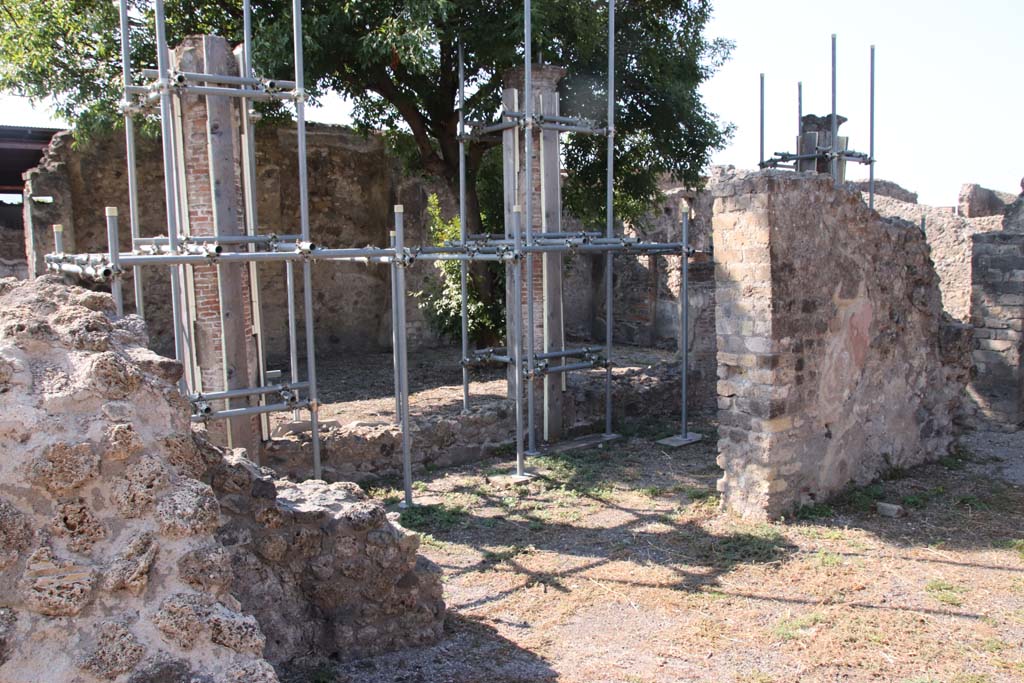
{"points": [[133, 550]]}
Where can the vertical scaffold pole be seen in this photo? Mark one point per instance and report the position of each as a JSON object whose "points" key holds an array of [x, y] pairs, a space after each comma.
{"points": [[58, 239], [531, 435], [307, 275], [113, 249], [394, 332], [760, 163], [401, 353], [251, 215], [166, 132], [609, 222], [463, 266], [871, 144], [516, 346], [129, 140], [835, 122], [293, 344], [685, 436], [799, 114]]}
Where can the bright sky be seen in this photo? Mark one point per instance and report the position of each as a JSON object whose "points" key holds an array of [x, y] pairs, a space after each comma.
{"points": [[947, 81]]}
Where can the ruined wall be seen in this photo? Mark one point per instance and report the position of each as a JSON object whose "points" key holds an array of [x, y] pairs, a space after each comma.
{"points": [[996, 394], [353, 184], [130, 552], [976, 201], [369, 450], [949, 237], [835, 361], [884, 188]]}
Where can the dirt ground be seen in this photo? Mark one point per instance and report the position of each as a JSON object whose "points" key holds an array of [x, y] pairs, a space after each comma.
{"points": [[616, 564]]}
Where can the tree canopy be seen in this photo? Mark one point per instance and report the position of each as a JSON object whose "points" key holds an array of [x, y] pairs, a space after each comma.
{"points": [[397, 59]]}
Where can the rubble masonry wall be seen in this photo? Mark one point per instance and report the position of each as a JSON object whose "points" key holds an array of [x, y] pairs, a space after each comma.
{"points": [[835, 361]]}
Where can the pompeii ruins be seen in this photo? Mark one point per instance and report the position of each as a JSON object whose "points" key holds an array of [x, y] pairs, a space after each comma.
{"points": [[830, 341]]}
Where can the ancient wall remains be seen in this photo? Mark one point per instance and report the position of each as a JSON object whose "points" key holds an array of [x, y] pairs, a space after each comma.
{"points": [[976, 201], [835, 361], [369, 450], [996, 394], [131, 552], [353, 183], [949, 237]]}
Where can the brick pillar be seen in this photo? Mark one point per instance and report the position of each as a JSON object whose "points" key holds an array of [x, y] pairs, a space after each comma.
{"points": [[225, 349], [997, 312], [546, 216]]}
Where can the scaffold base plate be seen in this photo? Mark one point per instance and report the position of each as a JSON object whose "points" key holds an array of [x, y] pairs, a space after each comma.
{"points": [[680, 440], [588, 441]]}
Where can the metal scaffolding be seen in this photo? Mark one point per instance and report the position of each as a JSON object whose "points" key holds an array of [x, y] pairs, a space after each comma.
{"points": [[831, 153], [179, 251]]}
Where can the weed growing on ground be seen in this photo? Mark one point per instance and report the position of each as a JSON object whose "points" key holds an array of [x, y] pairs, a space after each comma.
{"points": [[815, 511], [945, 592], [829, 559], [433, 518], [791, 628]]}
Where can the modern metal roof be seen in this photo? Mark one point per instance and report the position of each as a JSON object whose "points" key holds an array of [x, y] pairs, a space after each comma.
{"points": [[21, 148]]}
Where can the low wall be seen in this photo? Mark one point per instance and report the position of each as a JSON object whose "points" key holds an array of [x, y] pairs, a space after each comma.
{"points": [[365, 451], [835, 360]]}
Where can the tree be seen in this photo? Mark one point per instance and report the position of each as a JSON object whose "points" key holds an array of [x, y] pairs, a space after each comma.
{"points": [[397, 60]]}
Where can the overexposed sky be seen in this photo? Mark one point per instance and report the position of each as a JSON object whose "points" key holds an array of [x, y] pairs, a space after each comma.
{"points": [[948, 101], [949, 106]]}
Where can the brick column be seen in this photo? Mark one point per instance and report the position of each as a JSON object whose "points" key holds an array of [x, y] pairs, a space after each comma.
{"points": [[546, 217], [224, 346]]}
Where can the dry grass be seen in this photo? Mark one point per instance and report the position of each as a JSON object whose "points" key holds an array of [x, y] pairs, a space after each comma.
{"points": [[616, 565]]}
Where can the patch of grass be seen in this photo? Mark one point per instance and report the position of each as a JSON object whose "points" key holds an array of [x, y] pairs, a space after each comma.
{"points": [[762, 544], [862, 499], [386, 495], [433, 518], [816, 532], [945, 592], [972, 503], [921, 499], [829, 559], [992, 645], [498, 556], [815, 511], [970, 678], [791, 628]]}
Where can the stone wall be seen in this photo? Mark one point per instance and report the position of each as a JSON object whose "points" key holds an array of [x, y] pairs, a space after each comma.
{"points": [[976, 201], [835, 361], [366, 451], [996, 393], [353, 183], [131, 552], [949, 237], [885, 188]]}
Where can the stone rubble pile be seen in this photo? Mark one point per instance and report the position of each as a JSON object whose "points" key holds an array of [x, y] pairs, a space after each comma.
{"points": [[131, 551]]}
